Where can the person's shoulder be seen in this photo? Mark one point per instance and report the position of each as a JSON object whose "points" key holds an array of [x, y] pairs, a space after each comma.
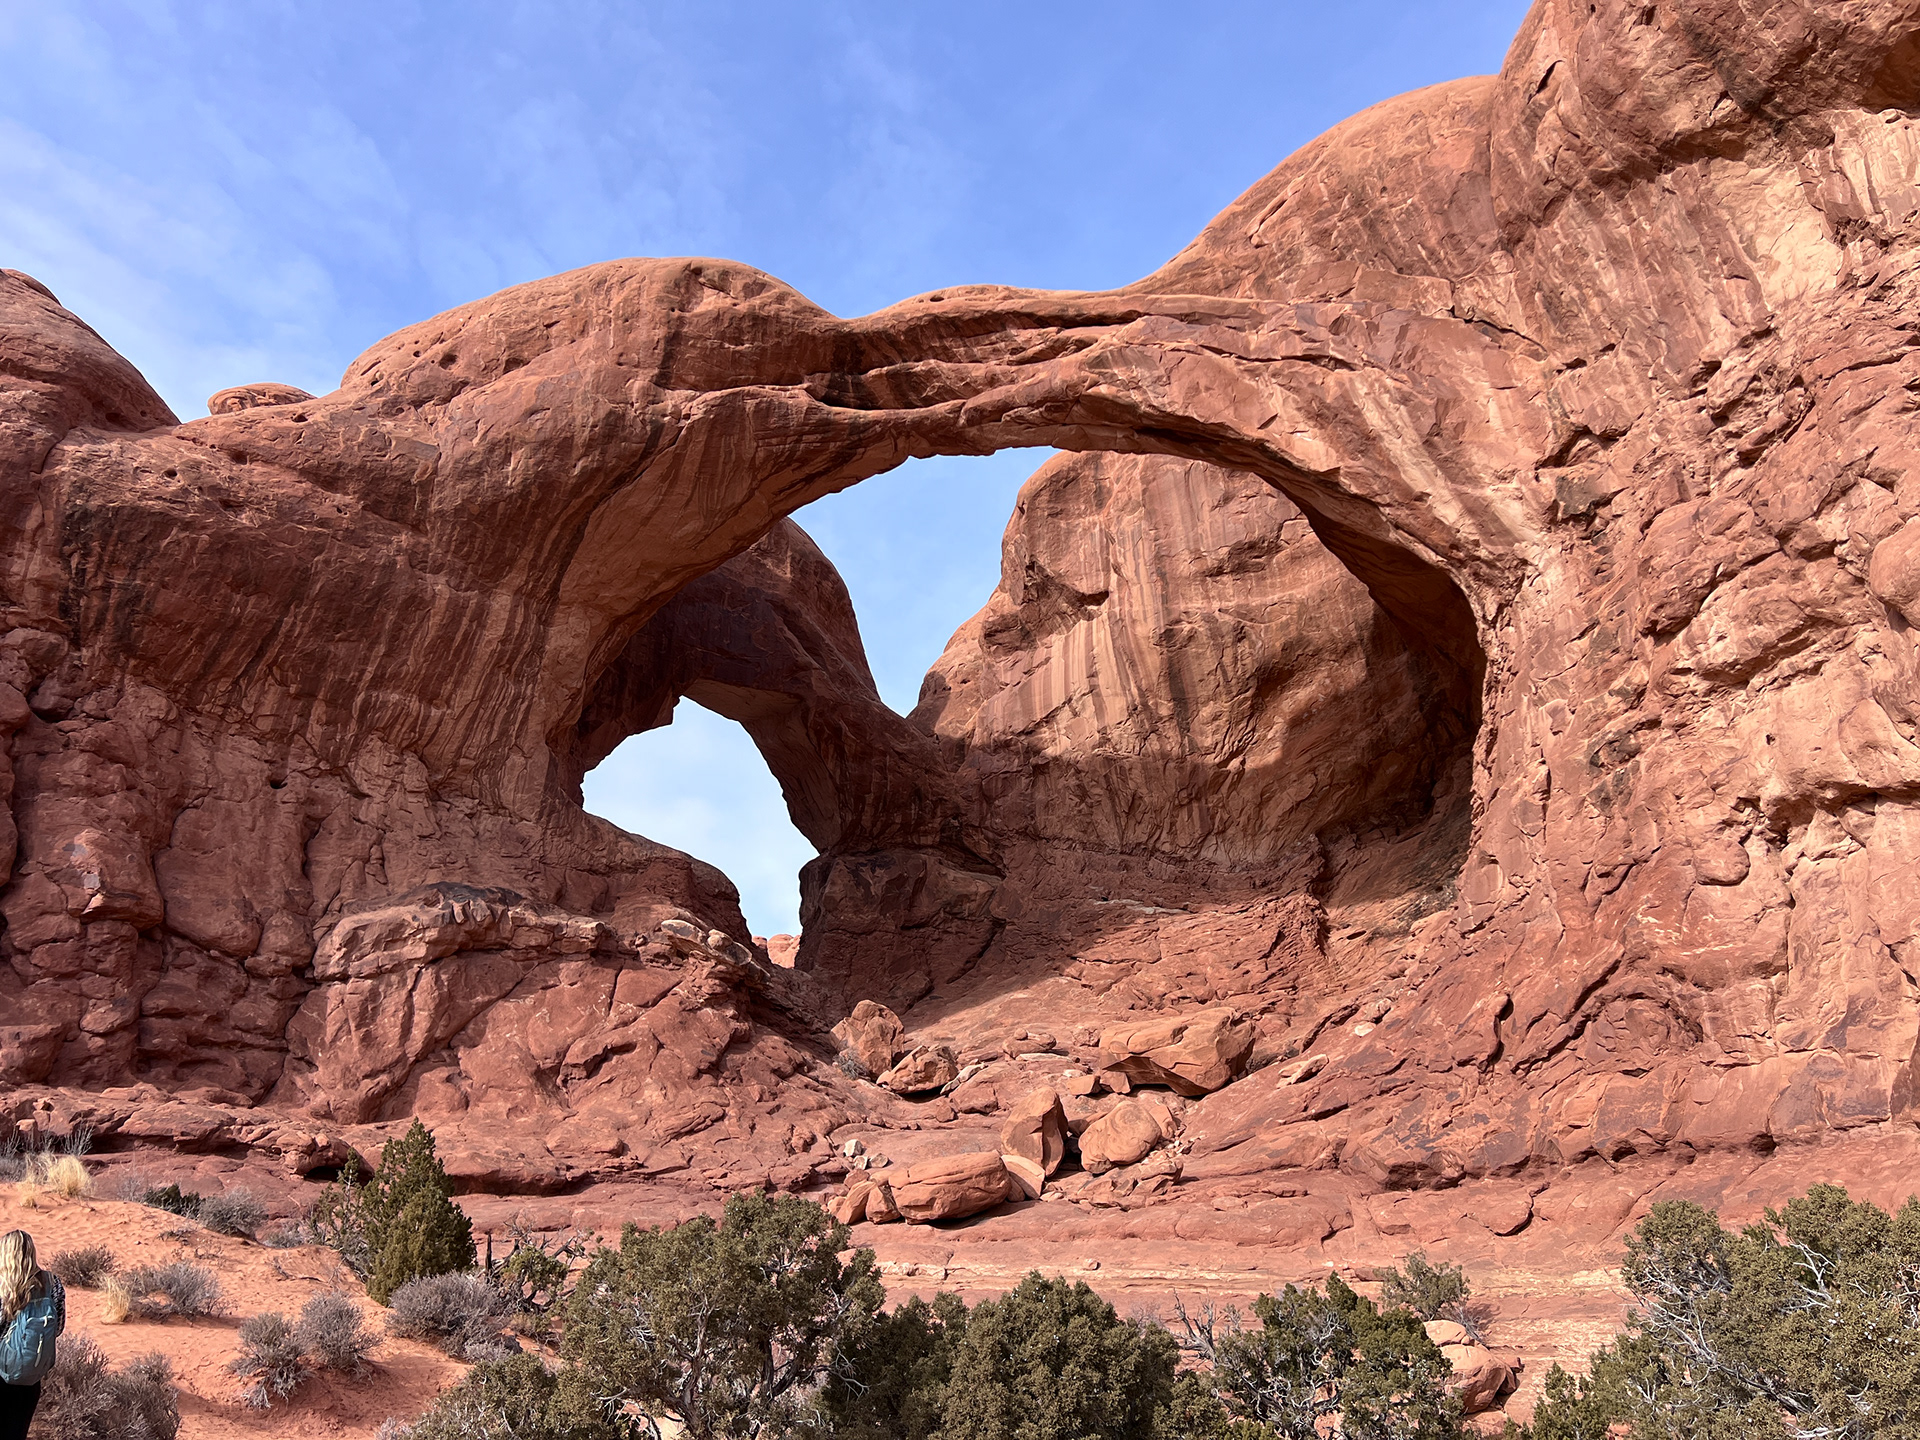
{"points": [[52, 1285]]}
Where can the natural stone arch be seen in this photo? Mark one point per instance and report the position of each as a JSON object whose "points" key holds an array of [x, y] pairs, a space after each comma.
{"points": [[666, 413], [1620, 352]]}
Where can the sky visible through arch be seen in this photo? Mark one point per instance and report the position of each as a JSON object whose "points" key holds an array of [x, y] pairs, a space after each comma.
{"points": [[231, 193]]}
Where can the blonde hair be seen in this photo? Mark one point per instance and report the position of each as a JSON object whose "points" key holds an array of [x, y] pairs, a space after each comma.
{"points": [[19, 1273]]}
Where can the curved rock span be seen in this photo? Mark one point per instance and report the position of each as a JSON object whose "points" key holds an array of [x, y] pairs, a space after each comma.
{"points": [[1451, 717]]}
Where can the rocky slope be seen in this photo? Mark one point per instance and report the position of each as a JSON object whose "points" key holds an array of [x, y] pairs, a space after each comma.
{"points": [[1472, 645]]}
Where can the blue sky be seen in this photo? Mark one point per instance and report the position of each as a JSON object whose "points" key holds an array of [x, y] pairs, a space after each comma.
{"points": [[235, 192]]}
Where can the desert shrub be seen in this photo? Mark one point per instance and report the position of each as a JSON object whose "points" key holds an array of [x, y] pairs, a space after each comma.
{"points": [[1194, 1412], [173, 1199], [1318, 1355], [534, 1275], [159, 1292], [731, 1326], [333, 1331], [1433, 1292], [338, 1218], [86, 1399], [1805, 1324], [270, 1363], [235, 1212], [125, 1182], [890, 1380], [400, 1224], [511, 1399], [1052, 1358], [463, 1314], [290, 1236], [84, 1269]]}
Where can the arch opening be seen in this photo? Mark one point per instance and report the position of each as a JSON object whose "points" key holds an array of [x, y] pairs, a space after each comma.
{"points": [[1175, 684], [727, 776], [699, 784]]}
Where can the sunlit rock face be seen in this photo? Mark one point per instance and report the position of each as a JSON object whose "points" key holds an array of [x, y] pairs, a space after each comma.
{"points": [[1472, 642]]}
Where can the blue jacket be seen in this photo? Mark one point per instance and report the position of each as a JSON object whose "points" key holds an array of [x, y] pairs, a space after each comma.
{"points": [[26, 1344]]}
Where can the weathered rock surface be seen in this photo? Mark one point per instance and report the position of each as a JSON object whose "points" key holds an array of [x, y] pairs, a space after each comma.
{"points": [[1473, 647], [1029, 1179], [1480, 1378], [921, 1069]]}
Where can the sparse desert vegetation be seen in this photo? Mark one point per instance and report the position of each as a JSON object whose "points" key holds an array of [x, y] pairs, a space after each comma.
{"points": [[271, 1363], [89, 1398], [177, 1288], [334, 1334], [108, 1386], [86, 1268], [234, 1212], [765, 1322]]}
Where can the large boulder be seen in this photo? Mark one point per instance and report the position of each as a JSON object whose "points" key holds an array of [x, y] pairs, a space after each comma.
{"points": [[867, 1197], [1192, 1054], [1124, 1135], [1036, 1129], [952, 1187], [872, 1034], [924, 1068], [1480, 1378]]}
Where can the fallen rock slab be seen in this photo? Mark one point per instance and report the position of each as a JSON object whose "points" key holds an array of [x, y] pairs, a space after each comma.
{"points": [[1125, 1134], [924, 1069], [1029, 1180], [1479, 1377], [1191, 1055], [952, 1187]]}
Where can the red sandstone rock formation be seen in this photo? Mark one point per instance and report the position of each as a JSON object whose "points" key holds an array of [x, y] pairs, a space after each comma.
{"points": [[1553, 800]]}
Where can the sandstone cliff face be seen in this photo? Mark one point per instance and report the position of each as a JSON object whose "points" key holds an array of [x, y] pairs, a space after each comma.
{"points": [[1556, 797], [1173, 666]]}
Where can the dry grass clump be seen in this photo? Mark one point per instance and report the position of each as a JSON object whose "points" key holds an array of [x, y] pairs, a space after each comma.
{"points": [[160, 1292], [65, 1175], [116, 1301], [84, 1269], [39, 1168]]}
